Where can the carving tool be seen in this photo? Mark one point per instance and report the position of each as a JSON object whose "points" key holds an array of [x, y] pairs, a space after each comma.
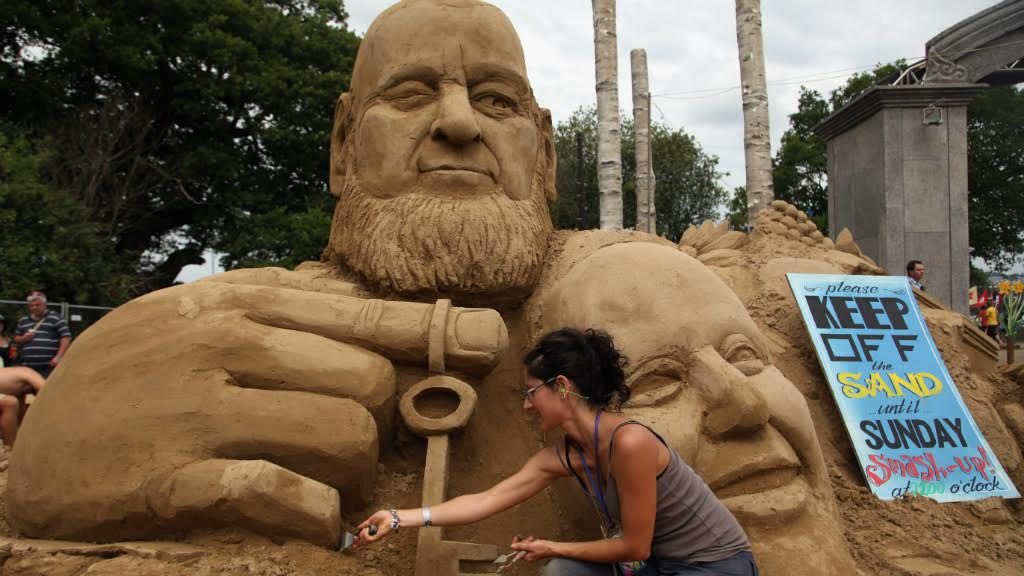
{"points": [[348, 538]]}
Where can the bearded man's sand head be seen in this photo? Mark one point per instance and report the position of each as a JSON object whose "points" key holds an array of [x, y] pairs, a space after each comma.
{"points": [[441, 158]]}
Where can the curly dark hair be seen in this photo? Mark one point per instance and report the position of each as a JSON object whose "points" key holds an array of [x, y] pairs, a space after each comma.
{"points": [[587, 358]]}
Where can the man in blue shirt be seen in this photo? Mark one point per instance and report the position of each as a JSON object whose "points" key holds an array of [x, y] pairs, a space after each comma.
{"points": [[42, 336]]}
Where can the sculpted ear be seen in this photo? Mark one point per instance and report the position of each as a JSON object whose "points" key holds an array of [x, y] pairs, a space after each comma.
{"points": [[338, 134], [549, 155]]}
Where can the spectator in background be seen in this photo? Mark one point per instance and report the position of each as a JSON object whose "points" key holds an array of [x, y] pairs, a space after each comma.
{"points": [[992, 321], [915, 274], [15, 383], [5, 343], [979, 318], [42, 337]]}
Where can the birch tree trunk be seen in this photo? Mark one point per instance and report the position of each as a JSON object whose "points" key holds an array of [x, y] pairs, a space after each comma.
{"points": [[652, 183], [642, 141], [756, 136], [609, 144]]}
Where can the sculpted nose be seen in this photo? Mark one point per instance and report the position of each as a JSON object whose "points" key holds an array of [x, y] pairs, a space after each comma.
{"points": [[456, 121], [735, 406], [741, 410]]}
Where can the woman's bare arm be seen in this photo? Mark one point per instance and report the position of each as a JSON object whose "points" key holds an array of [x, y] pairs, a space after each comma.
{"points": [[538, 472]]}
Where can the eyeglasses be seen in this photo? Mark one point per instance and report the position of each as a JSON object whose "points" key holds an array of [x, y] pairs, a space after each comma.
{"points": [[528, 393]]}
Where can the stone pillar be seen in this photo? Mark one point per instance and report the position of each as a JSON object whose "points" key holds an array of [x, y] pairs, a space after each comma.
{"points": [[897, 178]]}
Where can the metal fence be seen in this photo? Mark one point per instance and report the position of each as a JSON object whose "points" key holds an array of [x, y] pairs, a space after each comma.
{"points": [[78, 316]]}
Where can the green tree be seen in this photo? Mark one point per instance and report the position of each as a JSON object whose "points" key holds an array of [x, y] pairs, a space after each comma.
{"points": [[183, 124], [737, 207], [995, 176], [571, 209], [48, 239], [688, 181], [800, 168]]}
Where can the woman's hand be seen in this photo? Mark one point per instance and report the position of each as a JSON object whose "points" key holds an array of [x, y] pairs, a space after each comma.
{"points": [[535, 549], [381, 523]]}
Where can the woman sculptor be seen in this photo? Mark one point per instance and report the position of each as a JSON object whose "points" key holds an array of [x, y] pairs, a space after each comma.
{"points": [[657, 516], [702, 377]]}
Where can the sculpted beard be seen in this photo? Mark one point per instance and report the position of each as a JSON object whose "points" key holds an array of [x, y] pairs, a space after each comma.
{"points": [[419, 243]]}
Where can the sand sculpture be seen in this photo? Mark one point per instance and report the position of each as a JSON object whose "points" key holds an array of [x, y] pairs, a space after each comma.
{"points": [[288, 402]]}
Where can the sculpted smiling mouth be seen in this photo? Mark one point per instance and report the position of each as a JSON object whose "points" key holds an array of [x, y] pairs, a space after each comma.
{"points": [[766, 482]]}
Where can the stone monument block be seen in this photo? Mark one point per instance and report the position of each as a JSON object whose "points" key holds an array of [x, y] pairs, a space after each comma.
{"points": [[897, 172]]}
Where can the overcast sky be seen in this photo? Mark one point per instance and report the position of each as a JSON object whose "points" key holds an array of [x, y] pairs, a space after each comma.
{"points": [[692, 55]]}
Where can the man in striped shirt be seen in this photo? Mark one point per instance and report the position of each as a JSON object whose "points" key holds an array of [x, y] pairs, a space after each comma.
{"points": [[42, 336]]}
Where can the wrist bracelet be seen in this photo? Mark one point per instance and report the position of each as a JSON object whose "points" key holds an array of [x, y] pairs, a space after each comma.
{"points": [[426, 516], [396, 522]]}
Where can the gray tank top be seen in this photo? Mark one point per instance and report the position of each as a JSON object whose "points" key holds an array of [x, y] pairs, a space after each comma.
{"points": [[691, 524]]}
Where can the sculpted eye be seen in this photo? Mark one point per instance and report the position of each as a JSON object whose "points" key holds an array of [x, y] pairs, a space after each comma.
{"points": [[410, 94], [495, 99], [739, 351], [656, 381]]}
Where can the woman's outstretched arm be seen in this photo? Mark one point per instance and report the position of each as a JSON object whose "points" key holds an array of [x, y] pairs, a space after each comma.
{"points": [[538, 472]]}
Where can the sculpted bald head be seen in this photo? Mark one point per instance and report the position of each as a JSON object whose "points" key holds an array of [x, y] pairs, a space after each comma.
{"points": [[437, 26], [431, 70], [441, 128]]}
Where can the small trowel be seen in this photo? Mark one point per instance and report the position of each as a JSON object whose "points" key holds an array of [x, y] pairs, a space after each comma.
{"points": [[348, 538], [506, 560]]}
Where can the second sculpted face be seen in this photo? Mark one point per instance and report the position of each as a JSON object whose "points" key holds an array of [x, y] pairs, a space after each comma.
{"points": [[701, 374], [443, 105]]}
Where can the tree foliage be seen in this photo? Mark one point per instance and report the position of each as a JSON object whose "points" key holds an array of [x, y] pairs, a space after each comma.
{"points": [[177, 125], [688, 180], [49, 240], [995, 176], [800, 167], [739, 216]]}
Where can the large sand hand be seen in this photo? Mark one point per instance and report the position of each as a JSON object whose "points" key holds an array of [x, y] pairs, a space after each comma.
{"points": [[231, 403]]}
